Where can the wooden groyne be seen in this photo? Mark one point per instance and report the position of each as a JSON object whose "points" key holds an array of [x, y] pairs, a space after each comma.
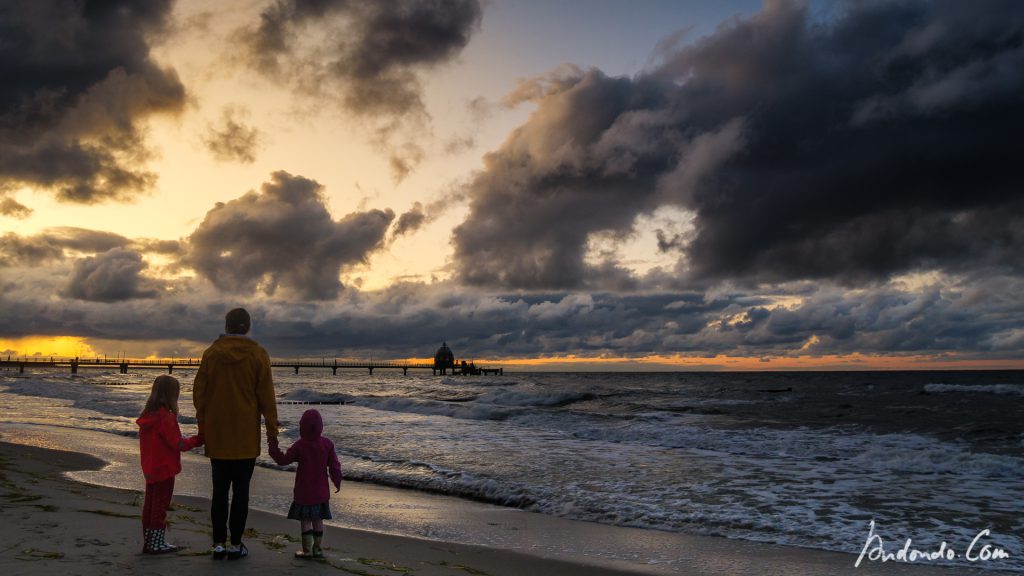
{"points": [[124, 365]]}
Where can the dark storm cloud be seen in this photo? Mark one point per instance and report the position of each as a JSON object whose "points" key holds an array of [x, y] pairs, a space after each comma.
{"points": [[11, 207], [232, 139], [420, 215], [112, 276], [409, 222], [851, 148], [77, 80], [84, 240], [383, 46], [556, 180], [372, 53], [55, 243], [51, 244], [28, 251], [283, 236], [667, 244]]}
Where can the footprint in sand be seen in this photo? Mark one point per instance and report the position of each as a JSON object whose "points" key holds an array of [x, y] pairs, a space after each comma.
{"points": [[82, 542]]}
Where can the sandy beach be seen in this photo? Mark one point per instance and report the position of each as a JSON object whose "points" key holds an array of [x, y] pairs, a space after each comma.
{"points": [[50, 523], [53, 525]]}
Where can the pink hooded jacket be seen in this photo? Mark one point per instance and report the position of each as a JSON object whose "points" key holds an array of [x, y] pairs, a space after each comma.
{"points": [[316, 458]]}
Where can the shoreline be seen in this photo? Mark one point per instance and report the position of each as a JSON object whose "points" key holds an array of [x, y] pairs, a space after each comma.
{"points": [[71, 527], [351, 548]]}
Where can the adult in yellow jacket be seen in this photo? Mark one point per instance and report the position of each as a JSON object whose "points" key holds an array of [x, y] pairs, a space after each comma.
{"points": [[232, 389]]}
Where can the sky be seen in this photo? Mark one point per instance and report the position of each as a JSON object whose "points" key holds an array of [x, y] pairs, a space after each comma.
{"points": [[572, 185]]}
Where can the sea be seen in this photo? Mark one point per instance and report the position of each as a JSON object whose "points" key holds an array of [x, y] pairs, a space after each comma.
{"points": [[810, 459]]}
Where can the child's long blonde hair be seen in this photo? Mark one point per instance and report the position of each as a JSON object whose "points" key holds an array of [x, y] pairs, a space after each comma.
{"points": [[164, 394]]}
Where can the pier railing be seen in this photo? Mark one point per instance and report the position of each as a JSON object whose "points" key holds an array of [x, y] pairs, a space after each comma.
{"points": [[124, 364]]}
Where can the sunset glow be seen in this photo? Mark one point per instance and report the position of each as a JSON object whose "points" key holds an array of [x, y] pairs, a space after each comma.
{"points": [[630, 192]]}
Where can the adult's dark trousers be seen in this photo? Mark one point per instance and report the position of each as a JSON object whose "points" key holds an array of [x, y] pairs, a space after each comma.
{"points": [[230, 476]]}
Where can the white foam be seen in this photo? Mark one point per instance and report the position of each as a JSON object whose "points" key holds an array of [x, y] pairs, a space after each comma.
{"points": [[535, 398], [1009, 389], [472, 411], [315, 396], [476, 381]]}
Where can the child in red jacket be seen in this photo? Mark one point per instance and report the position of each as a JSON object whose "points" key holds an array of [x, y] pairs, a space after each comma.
{"points": [[316, 457], [160, 446]]}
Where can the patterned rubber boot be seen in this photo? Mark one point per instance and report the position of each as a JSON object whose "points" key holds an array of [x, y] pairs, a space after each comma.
{"points": [[147, 541], [307, 546], [161, 546], [318, 539]]}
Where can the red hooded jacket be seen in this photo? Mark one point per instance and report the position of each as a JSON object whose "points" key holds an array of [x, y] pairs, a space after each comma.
{"points": [[316, 457], [161, 445]]}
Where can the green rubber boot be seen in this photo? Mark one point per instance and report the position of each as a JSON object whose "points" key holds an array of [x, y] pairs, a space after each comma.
{"points": [[307, 546], [318, 539]]}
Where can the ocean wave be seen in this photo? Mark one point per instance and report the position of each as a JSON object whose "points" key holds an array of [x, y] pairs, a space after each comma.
{"points": [[467, 411], [787, 513], [919, 455], [316, 397], [427, 477], [474, 381], [120, 401], [1007, 389], [905, 453], [539, 399], [496, 405]]}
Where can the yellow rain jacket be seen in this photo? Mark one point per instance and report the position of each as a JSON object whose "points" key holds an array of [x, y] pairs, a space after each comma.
{"points": [[232, 389]]}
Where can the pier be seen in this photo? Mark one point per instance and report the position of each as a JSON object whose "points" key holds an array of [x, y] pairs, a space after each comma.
{"points": [[124, 365]]}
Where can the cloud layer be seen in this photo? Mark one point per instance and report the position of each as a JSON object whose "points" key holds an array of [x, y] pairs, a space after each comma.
{"points": [[77, 82], [59, 243], [851, 148], [283, 237], [950, 318]]}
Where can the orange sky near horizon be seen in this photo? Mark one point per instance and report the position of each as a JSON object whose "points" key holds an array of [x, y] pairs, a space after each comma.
{"points": [[74, 346]]}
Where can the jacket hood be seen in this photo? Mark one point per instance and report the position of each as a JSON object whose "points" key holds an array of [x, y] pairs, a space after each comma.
{"points": [[311, 425], [234, 347], [150, 419]]}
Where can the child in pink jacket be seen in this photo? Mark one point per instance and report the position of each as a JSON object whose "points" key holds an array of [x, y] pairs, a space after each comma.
{"points": [[316, 458]]}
